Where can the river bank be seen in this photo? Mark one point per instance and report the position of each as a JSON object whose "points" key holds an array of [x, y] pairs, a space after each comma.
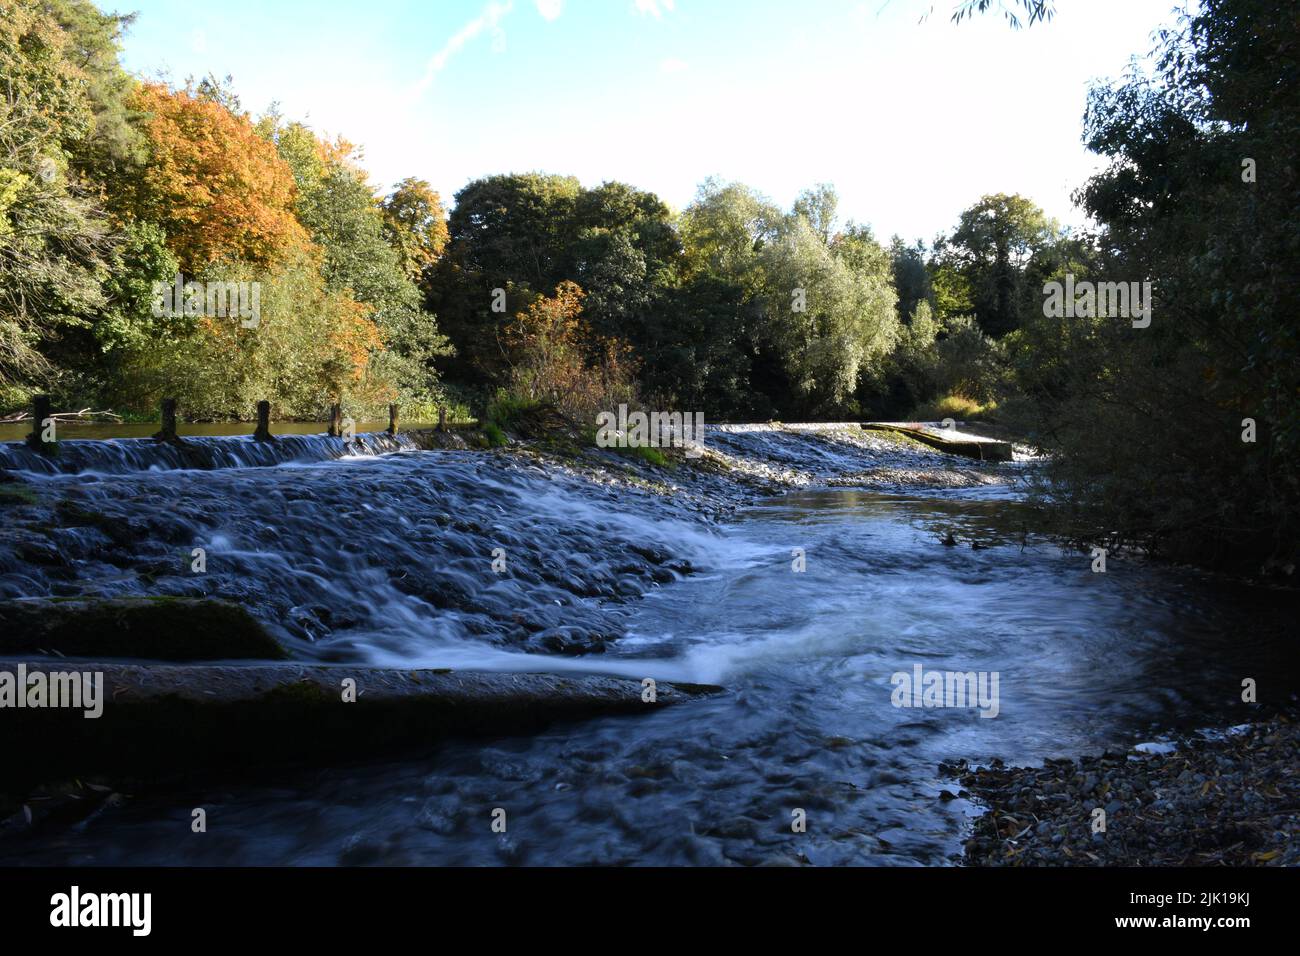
{"points": [[1230, 798]]}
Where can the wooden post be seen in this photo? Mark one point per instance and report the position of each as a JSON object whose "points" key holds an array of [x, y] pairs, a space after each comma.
{"points": [[168, 431], [263, 432], [392, 420], [40, 412], [336, 421], [442, 419]]}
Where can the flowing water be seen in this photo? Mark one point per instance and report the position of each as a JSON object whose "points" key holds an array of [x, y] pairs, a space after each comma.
{"points": [[383, 555]]}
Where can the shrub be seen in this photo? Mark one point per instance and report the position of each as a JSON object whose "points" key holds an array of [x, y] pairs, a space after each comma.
{"points": [[554, 360]]}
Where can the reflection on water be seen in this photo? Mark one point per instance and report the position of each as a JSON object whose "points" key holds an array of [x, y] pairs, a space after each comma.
{"points": [[1086, 661]]}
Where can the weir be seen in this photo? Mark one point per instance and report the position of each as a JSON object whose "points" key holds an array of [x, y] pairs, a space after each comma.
{"points": [[119, 456]]}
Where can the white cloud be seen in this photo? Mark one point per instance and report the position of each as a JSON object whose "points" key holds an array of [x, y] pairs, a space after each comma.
{"points": [[672, 65], [654, 8], [489, 19], [550, 9]]}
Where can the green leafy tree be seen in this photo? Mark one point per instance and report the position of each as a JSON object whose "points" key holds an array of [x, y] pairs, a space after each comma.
{"points": [[912, 282], [415, 224], [512, 233], [335, 203], [830, 309], [1202, 197], [55, 242], [725, 230], [991, 246]]}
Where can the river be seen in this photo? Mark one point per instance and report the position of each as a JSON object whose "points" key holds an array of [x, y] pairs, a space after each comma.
{"points": [[386, 558]]}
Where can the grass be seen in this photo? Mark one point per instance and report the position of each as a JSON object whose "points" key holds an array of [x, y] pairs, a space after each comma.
{"points": [[652, 455], [505, 413], [507, 410], [953, 406]]}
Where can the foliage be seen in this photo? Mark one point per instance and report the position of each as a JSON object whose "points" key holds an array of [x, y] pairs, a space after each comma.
{"points": [[830, 309], [217, 188], [55, 241], [957, 407], [508, 410], [356, 237], [912, 280], [415, 225], [1147, 424], [552, 362], [310, 346], [994, 241], [1034, 11]]}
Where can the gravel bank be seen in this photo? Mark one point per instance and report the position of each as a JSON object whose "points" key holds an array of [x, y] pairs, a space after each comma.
{"points": [[1228, 799]]}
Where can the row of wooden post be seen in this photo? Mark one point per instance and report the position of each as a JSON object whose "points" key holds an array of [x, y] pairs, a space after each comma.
{"points": [[41, 411]]}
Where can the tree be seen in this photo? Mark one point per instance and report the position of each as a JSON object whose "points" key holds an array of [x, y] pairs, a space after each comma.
{"points": [[830, 309], [516, 228], [114, 141], [513, 238], [415, 224], [552, 360], [912, 281], [993, 242], [219, 189], [725, 229], [818, 205], [625, 255], [310, 346], [336, 205], [55, 242], [698, 351], [509, 236], [1146, 424]]}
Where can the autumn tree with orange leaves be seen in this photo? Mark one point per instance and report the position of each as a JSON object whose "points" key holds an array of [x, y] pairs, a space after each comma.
{"points": [[219, 189]]}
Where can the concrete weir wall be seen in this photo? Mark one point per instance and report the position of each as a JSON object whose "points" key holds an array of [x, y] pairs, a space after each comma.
{"points": [[157, 719], [971, 446]]}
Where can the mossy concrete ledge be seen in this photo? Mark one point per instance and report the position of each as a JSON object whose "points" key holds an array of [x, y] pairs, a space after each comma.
{"points": [[159, 719], [152, 628], [983, 449]]}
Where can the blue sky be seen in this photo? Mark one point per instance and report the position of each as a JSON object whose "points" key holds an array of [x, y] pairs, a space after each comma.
{"points": [[911, 121]]}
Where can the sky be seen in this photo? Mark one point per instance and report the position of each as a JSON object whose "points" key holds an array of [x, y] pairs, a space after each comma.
{"points": [[910, 117]]}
